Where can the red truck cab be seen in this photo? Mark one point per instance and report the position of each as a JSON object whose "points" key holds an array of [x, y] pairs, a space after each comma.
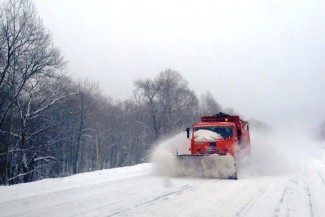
{"points": [[219, 134]]}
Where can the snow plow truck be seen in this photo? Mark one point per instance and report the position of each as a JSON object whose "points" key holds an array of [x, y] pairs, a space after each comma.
{"points": [[214, 144]]}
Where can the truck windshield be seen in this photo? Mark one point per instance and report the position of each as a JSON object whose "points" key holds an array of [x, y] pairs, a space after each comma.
{"points": [[224, 131]]}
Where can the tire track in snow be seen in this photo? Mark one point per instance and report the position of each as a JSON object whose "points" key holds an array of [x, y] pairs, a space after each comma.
{"points": [[248, 206], [158, 198], [288, 191], [166, 196], [307, 190], [279, 207]]}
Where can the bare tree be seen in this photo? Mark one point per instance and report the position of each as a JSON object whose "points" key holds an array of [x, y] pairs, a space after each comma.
{"points": [[146, 93], [169, 103], [27, 55], [27, 51], [178, 103], [208, 105], [31, 104]]}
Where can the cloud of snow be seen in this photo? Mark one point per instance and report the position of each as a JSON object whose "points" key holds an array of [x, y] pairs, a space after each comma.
{"points": [[163, 156], [166, 164], [287, 150]]}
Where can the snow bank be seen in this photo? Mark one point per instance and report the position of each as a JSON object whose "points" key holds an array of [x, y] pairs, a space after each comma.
{"points": [[72, 182]]}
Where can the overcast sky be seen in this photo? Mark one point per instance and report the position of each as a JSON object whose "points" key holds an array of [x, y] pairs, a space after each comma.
{"points": [[265, 59]]}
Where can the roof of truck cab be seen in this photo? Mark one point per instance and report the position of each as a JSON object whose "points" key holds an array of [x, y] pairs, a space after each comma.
{"points": [[212, 123]]}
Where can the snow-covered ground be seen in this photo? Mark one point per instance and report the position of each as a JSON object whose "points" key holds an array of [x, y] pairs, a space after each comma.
{"points": [[286, 182]]}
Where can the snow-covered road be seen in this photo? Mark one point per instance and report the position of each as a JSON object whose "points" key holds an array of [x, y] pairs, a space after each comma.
{"points": [[280, 180], [136, 191]]}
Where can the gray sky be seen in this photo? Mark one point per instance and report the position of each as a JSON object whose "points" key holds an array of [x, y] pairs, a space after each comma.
{"points": [[266, 59]]}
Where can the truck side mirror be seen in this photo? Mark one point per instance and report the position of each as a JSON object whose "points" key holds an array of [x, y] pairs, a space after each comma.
{"points": [[188, 132]]}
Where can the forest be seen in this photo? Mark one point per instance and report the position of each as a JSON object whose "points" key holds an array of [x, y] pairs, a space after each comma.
{"points": [[52, 125]]}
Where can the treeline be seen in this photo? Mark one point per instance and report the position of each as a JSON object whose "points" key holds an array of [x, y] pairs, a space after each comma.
{"points": [[51, 125]]}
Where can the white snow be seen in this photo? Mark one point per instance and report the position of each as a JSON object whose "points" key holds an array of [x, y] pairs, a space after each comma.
{"points": [[283, 178], [206, 136]]}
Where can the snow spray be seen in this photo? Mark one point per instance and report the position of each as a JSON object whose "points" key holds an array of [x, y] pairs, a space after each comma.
{"points": [[287, 150], [163, 156]]}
